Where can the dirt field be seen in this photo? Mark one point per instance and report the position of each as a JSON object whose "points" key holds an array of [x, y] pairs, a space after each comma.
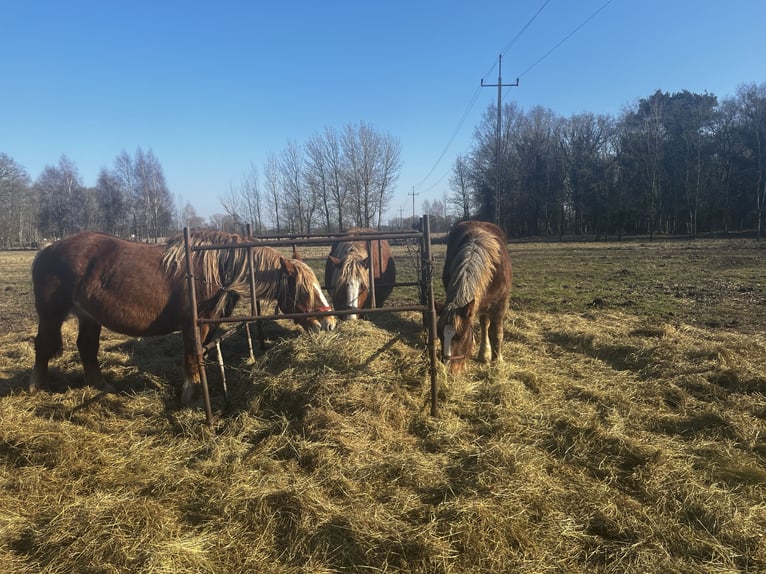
{"points": [[625, 432]]}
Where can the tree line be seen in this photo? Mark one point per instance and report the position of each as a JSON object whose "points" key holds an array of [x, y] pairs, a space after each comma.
{"points": [[680, 163], [131, 199], [336, 180]]}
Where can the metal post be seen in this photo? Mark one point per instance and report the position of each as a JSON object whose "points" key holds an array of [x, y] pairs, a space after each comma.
{"points": [[255, 304], [430, 314], [198, 351], [498, 131], [371, 272]]}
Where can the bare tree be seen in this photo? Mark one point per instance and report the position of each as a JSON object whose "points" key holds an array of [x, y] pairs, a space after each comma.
{"points": [[189, 218], [243, 204], [753, 102], [373, 162], [61, 198], [336, 175], [273, 199], [318, 176], [153, 203], [460, 184], [112, 203], [18, 216], [300, 199]]}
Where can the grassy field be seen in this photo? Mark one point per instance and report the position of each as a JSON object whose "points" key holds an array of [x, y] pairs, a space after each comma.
{"points": [[625, 432]]}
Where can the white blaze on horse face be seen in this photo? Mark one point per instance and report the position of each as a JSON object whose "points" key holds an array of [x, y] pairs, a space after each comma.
{"points": [[327, 322], [449, 334], [352, 295]]}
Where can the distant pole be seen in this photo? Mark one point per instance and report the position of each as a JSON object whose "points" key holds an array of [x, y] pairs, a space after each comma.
{"points": [[498, 131], [413, 194], [401, 217]]}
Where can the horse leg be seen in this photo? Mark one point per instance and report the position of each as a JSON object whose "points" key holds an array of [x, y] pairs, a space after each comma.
{"points": [[485, 353], [496, 333], [88, 336], [188, 393], [48, 344]]}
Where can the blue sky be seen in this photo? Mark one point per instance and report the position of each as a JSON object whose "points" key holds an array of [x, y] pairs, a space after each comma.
{"points": [[213, 87]]}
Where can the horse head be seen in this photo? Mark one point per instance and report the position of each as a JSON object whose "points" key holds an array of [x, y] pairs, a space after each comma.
{"points": [[456, 333], [353, 284], [300, 293]]}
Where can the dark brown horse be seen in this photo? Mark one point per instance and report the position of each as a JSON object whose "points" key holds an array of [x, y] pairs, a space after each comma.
{"points": [[477, 281], [141, 290], [347, 272]]}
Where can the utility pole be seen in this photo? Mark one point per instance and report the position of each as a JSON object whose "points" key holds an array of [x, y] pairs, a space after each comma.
{"points": [[413, 194], [401, 217], [498, 132]]}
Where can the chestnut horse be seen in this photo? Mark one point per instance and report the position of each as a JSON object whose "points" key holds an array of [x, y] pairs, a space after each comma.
{"points": [[347, 272], [477, 281], [142, 290]]}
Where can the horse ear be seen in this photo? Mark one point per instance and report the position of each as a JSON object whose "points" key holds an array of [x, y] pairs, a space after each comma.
{"points": [[334, 260], [296, 255], [439, 306], [467, 309], [287, 266]]}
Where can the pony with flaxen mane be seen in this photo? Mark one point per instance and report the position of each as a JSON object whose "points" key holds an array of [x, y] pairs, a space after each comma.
{"points": [[477, 281], [347, 271], [141, 290]]}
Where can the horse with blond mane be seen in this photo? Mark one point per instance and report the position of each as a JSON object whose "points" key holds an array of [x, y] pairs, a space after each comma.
{"points": [[347, 271], [139, 289], [477, 281]]}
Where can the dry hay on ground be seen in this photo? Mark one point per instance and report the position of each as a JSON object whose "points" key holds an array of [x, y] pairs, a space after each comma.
{"points": [[624, 433], [602, 444]]}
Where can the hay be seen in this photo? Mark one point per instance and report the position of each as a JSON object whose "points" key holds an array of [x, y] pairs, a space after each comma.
{"points": [[606, 442]]}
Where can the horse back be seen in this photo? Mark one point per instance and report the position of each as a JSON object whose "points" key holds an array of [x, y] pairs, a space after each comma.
{"points": [[497, 277], [118, 283]]}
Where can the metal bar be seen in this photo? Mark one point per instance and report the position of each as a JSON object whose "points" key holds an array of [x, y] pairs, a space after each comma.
{"points": [[198, 352], [315, 240], [371, 273], [222, 371], [255, 304], [430, 314], [420, 308]]}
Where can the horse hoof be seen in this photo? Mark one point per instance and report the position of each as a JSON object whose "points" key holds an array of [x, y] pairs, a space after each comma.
{"points": [[188, 395]]}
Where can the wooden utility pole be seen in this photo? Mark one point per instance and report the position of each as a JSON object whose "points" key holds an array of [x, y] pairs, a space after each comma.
{"points": [[498, 131], [413, 194]]}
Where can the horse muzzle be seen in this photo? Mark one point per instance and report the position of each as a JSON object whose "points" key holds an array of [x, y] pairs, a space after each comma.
{"points": [[454, 363]]}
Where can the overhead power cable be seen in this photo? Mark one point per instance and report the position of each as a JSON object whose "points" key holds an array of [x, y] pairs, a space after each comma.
{"points": [[475, 97], [572, 33]]}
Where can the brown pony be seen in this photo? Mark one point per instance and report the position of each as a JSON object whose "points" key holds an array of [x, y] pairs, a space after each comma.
{"points": [[477, 280], [347, 272], [142, 290]]}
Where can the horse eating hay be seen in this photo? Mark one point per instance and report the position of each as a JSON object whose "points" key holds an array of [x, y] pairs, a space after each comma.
{"points": [[477, 280], [139, 289], [347, 271]]}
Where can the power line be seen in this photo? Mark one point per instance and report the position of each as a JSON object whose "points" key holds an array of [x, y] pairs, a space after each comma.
{"points": [[572, 33], [475, 96], [453, 136], [507, 48], [524, 29]]}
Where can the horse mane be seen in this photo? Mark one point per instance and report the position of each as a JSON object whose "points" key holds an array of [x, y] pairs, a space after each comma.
{"points": [[351, 254], [472, 267], [224, 274]]}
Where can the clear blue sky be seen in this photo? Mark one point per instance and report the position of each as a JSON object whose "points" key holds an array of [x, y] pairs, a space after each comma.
{"points": [[213, 87]]}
